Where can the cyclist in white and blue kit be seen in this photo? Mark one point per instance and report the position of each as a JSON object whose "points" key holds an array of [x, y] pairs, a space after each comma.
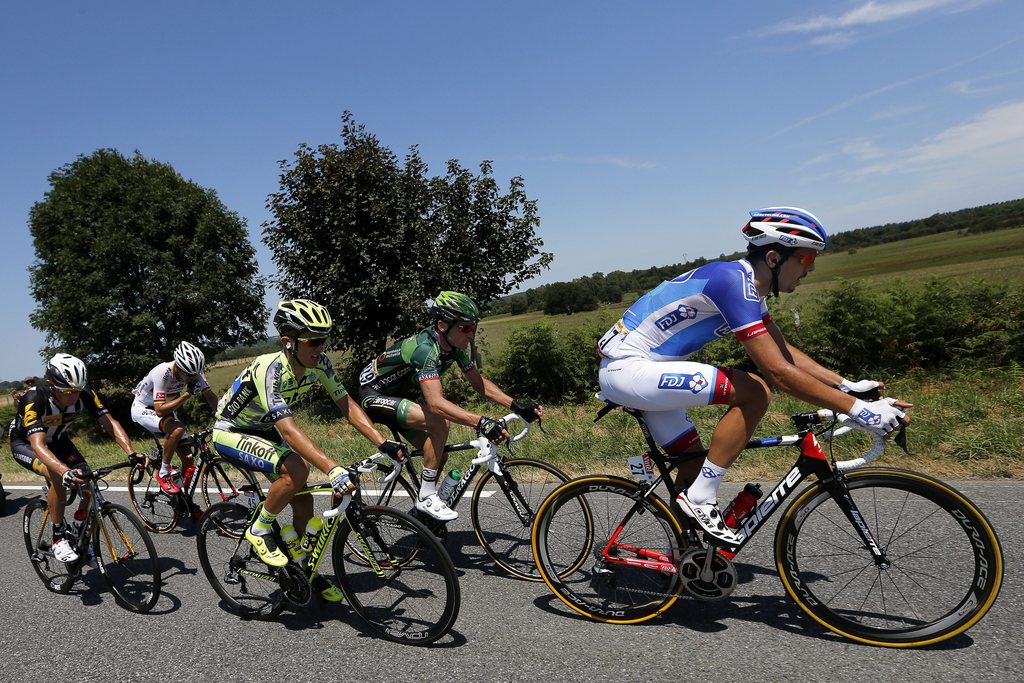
{"points": [[644, 355]]}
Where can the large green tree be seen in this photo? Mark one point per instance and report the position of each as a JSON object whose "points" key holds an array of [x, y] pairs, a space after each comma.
{"points": [[131, 258], [371, 237]]}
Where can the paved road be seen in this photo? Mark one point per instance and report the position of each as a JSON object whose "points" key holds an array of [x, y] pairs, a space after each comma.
{"points": [[507, 631]]}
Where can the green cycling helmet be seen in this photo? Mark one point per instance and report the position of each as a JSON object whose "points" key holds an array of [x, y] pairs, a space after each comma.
{"points": [[454, 307], [298, 317]]}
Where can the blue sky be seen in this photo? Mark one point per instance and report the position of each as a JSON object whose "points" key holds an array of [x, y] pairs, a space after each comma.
{"points": [[645, 130]]}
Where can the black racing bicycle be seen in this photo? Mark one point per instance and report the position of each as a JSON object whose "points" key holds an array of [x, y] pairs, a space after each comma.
{"points": [[215, 478], [401, 582], [111, 539], [882, 556], [503, 503]]}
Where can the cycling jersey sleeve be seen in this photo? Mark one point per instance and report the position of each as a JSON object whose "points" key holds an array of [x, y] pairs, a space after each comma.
{"points": [[92, 401], [735, 295], [277, 407], [427, 361], [31, 410], [328, 378]]}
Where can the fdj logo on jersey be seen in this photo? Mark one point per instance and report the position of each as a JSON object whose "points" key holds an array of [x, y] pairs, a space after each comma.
{"points": [[678, 380], [675, 317]]}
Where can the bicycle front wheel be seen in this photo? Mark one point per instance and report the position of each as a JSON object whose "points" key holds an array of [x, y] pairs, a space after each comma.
{"points": [[247, 586], [503, 509], [607, 551], [943, 570], [159, 511], [57, 576], [402, 583], [127, 558]]}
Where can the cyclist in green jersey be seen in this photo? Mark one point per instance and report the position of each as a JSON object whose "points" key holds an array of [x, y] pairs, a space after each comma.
{"points": [[401, 388], [256, 429]]}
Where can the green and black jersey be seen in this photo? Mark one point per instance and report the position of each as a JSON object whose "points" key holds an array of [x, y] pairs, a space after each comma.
{"points": [[262, 394], [401, 369]]}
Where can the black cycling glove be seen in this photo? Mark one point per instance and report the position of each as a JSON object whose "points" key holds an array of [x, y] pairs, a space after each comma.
{"points": [[490, 428], [396, 450], [526, 410]]}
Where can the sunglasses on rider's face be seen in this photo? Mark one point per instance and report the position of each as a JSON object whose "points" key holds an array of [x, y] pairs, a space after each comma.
{"points": [[68, 392], [466, 328], [313, 341], [807, 259]]}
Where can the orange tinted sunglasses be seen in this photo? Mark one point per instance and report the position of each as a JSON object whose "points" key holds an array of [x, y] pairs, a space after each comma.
{"points": [[807, 259]]}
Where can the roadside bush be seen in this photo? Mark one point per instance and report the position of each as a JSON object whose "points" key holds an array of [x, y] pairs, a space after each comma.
{"points": [[549, 365]]}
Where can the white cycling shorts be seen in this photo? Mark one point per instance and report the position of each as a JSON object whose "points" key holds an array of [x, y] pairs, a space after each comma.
{"points": [[148, 419], [663, 390]]}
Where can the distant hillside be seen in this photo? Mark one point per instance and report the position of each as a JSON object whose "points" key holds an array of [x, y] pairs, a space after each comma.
{"points": [[590, 292]]}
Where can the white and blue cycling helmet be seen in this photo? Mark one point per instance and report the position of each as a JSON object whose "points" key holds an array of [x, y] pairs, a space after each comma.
{"points": [[787, 226]]}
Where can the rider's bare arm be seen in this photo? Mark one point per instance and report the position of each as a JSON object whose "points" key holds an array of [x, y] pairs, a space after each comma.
{"points": [[357, 417], [114, 430], [300, 442], [802, 360], [433, 395], [789, 378], [487, 388], [38, 442]]}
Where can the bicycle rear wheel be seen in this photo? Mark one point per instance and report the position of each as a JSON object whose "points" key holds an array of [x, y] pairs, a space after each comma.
{"points": [[158, 511], [247, 586], [57, 576], [127, 558], [503, 512], [945, 562], [408, 592], [586, 534]]}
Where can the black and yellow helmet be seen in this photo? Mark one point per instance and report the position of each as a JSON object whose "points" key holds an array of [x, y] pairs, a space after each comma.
{"points": [[298, 317], [454, 307]]}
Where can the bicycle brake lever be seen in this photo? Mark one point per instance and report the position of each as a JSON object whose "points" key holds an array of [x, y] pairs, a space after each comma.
{"points": [[901, 439], [540, 425]]}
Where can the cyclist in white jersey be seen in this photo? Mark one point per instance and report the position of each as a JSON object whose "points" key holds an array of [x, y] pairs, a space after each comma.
{"points": [[157, 398], [644, 355]]}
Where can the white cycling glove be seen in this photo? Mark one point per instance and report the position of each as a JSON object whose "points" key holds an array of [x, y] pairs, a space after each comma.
{"points": [[859, 386], [879, 416]]}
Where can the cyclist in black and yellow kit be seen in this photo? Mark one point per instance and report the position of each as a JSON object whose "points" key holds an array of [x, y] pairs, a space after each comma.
{"points": [[401, 388], [40, 443], [256, 429]]}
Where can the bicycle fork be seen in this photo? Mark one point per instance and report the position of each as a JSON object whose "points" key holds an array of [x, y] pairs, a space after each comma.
{"points": [[840, 493]]}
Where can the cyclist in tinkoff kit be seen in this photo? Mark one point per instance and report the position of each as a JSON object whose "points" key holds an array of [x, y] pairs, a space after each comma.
{"points": [[256, 429]]}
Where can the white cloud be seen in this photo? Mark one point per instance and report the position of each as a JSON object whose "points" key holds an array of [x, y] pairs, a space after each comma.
{"points": [[863, 150], [874, 13], [996, 136]]}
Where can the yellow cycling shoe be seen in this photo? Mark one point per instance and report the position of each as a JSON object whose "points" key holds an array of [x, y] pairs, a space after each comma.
{"points": [[328, 591], [267, 548]]}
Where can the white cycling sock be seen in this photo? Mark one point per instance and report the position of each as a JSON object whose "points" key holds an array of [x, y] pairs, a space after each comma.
{"points": [[705, 489], [165, 468], [428, 483]]}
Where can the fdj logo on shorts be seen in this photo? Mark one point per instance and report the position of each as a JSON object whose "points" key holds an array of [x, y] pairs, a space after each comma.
{"points": [[678, 380], [683, 312]]}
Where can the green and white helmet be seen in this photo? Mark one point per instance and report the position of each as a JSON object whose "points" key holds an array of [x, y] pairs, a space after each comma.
{"points": [[297, 317], [454, 307]]}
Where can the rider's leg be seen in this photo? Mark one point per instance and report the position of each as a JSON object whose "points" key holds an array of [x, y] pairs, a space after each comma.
{"points": [[174, 430], [437, 428], [748, 402]]}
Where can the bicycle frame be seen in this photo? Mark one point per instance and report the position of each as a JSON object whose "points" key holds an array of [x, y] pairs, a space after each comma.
{"points": [[488, 456], [811, 462]]}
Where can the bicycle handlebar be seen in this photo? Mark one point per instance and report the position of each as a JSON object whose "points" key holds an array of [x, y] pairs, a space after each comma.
{"points": [[849, 424], [487, 450], [339, 508]]}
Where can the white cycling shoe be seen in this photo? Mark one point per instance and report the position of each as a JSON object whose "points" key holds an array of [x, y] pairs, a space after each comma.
{"points": [[709, 517], [63, 551], [436, 508]]}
